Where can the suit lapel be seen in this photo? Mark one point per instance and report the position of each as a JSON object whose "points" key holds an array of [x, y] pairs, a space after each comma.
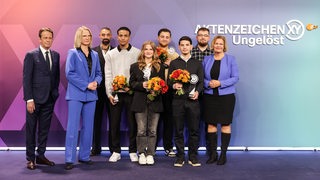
{"points": [[100, 54], [84, 61], [93, 63], [53, 60], [153, 73], [41, 57]]}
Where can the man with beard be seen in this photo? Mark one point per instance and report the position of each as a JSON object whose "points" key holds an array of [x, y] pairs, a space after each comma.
{"points": [[105, 37], [199, 52], [164, 39], [202, 49]]}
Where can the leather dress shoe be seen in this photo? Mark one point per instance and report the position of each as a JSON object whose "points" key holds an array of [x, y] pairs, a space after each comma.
{"points": [[31, 165], [44, 160], [95, 153], [86, 162], [68, 166]]}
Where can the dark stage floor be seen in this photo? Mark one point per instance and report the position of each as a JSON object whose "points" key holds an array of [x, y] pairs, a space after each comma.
{"points": [[287, 165]]}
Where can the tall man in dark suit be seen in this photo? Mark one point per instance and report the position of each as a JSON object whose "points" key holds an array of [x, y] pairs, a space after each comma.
{"points": [[105, 37], [41, 76]]}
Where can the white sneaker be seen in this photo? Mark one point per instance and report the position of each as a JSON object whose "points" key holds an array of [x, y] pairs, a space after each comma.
{"points": [[142, 159], [115, 157], [133, 157], [150, 160], [170, 153]]}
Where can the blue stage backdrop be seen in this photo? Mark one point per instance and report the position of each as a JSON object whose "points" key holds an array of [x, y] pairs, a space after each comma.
{"points": [[276, 44]]}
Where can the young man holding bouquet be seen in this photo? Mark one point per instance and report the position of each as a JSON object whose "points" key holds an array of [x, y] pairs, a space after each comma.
{"points": [[118, 61], [186, 80], [166, 55]]}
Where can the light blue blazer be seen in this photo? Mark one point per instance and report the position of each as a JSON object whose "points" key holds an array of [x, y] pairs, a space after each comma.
{"points": [[77, 73], [228, 77]]}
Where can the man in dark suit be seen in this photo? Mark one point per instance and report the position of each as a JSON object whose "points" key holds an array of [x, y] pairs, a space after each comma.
{"points": [[41, 76], [105, 36]]}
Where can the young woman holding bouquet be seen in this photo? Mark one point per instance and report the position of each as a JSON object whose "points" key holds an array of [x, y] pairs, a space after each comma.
{"points": [[220, 76], [186, 80], [147, 102]]}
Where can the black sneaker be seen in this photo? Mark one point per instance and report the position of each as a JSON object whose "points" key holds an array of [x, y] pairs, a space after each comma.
{"points": [[170, 153], [95, 153], [179, 162], [194, 162]]}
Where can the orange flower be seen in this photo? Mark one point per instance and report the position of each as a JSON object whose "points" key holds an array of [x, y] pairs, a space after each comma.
{"points": [[156, 86], [180, 76], [119, 83], [162, 54]]}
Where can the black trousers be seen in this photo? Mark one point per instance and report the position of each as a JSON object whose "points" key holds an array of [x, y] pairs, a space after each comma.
{"points": [[102, 102], [125, 101], [186, 110], [41, 118], [166, 123]]}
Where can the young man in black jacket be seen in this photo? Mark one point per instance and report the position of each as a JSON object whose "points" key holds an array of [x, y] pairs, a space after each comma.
{"points": [[186, 106]]}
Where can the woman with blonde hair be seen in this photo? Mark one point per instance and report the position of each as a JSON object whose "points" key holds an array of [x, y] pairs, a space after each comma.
{"points": [[84, 75], [147, 112], [220, 76]]}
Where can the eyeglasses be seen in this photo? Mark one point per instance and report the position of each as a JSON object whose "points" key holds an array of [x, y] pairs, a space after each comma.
{"points": [[203, 35]]}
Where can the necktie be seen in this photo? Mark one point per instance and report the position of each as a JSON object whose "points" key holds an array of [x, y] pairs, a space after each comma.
{"points": [[47, 59]]}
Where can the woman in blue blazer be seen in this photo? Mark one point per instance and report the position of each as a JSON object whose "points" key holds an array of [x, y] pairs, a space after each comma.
{"points": [[220, 76], [84, 75]]}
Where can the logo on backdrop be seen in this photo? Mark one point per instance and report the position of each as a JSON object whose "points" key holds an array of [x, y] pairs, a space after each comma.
{"points": [[257, 34]]}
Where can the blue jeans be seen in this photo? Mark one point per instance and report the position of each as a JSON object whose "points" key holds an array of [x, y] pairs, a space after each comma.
{"points": [[147, 123]]}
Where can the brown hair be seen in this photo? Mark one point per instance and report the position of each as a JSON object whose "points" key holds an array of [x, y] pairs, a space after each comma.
{"points": [[155, 59], [45, 29], [203, 29]]}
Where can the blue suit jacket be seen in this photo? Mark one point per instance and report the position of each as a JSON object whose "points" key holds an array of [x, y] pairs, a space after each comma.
{"points": [[38, 80], [77, 73], [228, 77]]}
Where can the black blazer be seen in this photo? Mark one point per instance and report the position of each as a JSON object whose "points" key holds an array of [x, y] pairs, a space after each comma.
{"points": [[102, 63], [38, 81], [140, 102]]}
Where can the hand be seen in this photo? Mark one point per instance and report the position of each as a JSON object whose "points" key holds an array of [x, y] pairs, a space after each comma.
{"points": [[93, 85], [111, 99], [145, 84], [126, 89], [153, 93], [31, 107], [177, 86], [168, 61], [214, 83], [195, 95]]}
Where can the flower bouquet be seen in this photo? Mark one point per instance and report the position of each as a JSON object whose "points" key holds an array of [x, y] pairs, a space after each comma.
{"points": [[180, 76], [120, 84], [162, 54], [156, 86]]}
